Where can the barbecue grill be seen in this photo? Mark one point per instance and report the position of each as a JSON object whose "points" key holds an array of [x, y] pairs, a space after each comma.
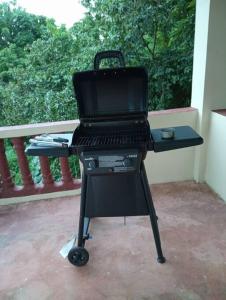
{"points": [[112, 141]]}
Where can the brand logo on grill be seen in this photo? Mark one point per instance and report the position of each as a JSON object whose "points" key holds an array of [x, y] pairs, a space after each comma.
{"points": [[132, 155]]}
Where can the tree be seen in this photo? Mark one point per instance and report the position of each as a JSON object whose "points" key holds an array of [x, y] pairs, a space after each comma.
{"points": [[156, 34], [18, 27], [37, 58]]}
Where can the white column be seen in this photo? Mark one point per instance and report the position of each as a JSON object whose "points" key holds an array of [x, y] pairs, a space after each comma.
{"points": [[209, 70]]}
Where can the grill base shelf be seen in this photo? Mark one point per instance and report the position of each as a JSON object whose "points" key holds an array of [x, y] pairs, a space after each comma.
{"points": [[115, 196]]}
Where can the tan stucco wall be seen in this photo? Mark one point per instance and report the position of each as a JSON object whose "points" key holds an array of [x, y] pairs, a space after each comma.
{"points": [[215, 175]]}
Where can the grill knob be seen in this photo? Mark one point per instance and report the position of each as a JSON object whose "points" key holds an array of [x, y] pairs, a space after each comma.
{"points": [[127, 162], [93, 164]]}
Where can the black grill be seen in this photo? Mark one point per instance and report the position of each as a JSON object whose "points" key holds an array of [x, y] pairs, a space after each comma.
{"points": [[111, 141]]}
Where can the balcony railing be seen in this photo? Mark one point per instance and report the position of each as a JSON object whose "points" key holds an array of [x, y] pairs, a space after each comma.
{"points": [[164, 167], [16, 134]]}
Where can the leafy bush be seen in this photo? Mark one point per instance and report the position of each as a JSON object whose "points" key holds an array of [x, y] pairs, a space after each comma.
{"points": [[13, 164]]}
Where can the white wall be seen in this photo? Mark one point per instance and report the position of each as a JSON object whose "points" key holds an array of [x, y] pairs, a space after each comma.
{"points": [[216, 156], [209, 70], [174, 165]]}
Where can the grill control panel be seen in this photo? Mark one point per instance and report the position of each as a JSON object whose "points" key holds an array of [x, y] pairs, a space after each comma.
{"points": [[106, 162]]}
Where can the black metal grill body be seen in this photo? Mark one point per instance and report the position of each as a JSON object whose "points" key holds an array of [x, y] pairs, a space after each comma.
{"points": [[112, 107], [112, 141], [113, 189]]}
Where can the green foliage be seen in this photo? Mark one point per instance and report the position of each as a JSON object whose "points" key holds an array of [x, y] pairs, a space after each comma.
{"points": [[13, 164], [156, 34], [37, 58], [19, 27], [35, 169]]}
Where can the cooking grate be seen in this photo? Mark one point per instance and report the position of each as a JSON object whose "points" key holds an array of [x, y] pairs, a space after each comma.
{"points": [[110, 140]]}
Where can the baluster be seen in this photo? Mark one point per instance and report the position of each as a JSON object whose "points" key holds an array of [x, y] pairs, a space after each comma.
{"points": [[65, 171], [46, 172], [4, 169], [23, 163]]}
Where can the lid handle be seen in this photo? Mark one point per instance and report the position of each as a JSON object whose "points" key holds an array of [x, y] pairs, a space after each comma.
{"points": [[108, 54]]}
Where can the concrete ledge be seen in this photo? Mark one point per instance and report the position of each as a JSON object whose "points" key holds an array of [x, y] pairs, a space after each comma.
{"points": [[39, 128], [220, 112], [171, 111], [15, 200], [70, 125]]}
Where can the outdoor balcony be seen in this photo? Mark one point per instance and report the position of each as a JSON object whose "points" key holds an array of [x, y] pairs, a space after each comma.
{"points": [[122, 258], [171, 166], [164, 167], [188, 188]]}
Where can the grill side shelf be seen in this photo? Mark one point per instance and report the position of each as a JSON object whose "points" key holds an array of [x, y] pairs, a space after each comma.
{"points": [[47, 151], [33, 150], [184, 136]]}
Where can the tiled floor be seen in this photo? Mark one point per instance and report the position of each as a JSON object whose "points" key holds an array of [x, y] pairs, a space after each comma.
{"points": [[122, 262]]}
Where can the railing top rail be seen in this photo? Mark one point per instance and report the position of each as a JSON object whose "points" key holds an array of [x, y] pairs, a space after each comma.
{"points": [[172, 111], [64, 126], [38, 128]]}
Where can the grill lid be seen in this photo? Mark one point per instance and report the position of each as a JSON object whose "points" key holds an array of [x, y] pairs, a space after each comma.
{"points": [[110, 93]]}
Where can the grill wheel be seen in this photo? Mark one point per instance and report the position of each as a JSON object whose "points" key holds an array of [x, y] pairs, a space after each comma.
{"points": [[78, 256]]}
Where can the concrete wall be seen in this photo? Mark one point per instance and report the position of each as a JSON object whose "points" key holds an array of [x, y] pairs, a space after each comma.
{"points": [[209, 70], [215, 175], [174, 165]]}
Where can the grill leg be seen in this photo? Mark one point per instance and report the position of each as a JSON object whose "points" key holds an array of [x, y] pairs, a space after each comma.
{"points": [[83, 224], [153, 218], [86, 235], [78, 255]]}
